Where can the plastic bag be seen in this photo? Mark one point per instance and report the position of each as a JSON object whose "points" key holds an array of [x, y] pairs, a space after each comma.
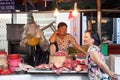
{"points": [[32, 35]]}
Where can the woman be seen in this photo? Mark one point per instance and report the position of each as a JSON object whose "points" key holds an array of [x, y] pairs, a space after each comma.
{"points": [[97, 68], [60, 40]]}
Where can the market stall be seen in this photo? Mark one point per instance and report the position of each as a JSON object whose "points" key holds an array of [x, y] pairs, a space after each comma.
{"points": [[67, 69]]}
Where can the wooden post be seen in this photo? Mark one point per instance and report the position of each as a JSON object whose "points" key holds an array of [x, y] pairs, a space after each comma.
{"points": [[99, 14], [25, 4]]}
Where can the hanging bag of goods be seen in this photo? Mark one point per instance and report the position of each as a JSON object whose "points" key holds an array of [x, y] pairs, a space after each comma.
{"points": [[32, 35]]}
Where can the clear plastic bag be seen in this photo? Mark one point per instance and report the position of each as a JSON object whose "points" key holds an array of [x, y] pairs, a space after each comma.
{"points": [[32, 35]]}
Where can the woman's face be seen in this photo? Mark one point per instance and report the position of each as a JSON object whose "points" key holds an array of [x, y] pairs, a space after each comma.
{"points": [[62, 30], [87, 39]]}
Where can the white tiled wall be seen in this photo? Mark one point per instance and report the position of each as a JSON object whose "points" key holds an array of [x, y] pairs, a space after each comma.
{"points": [[4, 19], [43, 19]]}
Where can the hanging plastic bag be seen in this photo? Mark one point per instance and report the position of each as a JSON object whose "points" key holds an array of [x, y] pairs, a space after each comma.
{"points": [[32, 35]]}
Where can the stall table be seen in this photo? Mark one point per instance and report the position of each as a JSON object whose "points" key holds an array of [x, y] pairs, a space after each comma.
{"points": [[50, 75], [47, 75]]}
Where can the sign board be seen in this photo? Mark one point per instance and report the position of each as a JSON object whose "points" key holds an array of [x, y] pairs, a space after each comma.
{"points": [[7, 6]]}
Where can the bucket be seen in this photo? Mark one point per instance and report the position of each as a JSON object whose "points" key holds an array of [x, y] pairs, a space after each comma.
{"points": [[14, 60]]}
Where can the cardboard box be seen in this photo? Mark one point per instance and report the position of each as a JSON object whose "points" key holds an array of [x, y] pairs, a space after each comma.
{"points": [[115, 63]]}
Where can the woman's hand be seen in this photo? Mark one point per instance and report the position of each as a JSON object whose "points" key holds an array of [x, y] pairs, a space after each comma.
{"points": [[56, 32], [113, 76], [53, 37]]}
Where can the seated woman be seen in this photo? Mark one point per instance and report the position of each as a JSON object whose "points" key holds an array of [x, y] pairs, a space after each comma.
{"points": [[97, 68], [61, 40]]}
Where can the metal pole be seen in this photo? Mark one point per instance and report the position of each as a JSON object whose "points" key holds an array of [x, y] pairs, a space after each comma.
{"points": [[99, 14]]}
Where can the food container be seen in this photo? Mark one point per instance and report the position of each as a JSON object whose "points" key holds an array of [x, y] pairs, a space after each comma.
{"points": [[14, 56], [13, 61]]}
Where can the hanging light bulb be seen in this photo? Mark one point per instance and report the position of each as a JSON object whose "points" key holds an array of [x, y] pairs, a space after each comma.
{"points": [[75, 11], [56, 12]]}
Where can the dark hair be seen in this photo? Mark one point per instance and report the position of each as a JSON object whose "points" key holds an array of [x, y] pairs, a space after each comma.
{"points": [[94, 35], [61, 24]]}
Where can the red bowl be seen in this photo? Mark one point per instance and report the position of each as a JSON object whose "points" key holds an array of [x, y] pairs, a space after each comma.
{"points": [[14, 56], [1, 71], [6, 72]]}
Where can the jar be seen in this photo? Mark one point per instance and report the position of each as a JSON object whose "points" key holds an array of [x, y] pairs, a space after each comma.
{"points": [[4, 60]]}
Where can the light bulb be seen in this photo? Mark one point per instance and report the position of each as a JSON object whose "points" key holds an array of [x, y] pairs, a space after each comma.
{"points": [[75, 11], [56, 12]]}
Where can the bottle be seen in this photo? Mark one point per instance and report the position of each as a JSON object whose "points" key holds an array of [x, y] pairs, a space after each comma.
{"points": [[3, 60]]}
